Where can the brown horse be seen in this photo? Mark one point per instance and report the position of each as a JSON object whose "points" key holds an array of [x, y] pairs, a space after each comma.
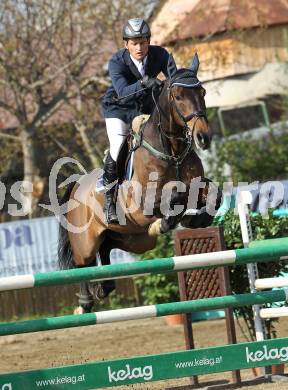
{"points": [[160, 191]]}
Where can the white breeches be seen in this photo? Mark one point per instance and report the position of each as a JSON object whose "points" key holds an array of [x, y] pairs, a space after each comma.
{"points": [[117, 130]]}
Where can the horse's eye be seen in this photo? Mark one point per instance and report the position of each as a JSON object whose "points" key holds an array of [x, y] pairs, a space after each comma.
{"points": [[178, 97]]}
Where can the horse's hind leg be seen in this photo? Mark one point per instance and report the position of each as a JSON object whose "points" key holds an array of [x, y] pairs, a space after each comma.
{"points": [[95, 290], [92, 291], [104, 253], [85, 296], [85, 299]]}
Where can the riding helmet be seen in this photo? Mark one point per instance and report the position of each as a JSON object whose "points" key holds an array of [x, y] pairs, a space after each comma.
{"points": [[136, 28]]}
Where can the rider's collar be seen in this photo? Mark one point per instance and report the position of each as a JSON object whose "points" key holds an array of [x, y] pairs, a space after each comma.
{"points": [[137, 62]]}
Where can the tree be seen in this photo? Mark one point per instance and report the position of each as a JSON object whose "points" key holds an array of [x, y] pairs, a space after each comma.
{"points": [[43, 51], [51, 69]]}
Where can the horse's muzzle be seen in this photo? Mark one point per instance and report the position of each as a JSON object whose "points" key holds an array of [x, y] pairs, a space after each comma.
{"points": [[202, 140]]}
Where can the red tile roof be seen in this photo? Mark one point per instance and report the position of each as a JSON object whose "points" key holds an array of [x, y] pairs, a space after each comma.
{"points": [[215, 16]]}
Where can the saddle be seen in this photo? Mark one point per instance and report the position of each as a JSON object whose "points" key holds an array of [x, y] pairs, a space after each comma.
{"points": [[125, 157]]}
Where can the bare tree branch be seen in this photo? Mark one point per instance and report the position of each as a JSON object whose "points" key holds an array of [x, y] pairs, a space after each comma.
{"points": [[10, 136], [58, 143], [41, 83], [8, 107], [50, 54], [45, 112]]}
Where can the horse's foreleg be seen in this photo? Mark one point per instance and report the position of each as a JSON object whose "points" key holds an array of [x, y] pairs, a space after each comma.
{"points": [[208, 203], [163, 225], [169, 222], [154, 229]]}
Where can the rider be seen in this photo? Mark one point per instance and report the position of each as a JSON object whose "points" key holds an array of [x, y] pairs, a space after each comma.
{"points": [[133, 70]]}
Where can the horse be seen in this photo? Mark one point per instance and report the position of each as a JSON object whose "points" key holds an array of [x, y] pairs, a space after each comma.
{"points": [[165, 161]]}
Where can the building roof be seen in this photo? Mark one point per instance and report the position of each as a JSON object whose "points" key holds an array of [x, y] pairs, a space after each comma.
{"points": [[182, 19]]}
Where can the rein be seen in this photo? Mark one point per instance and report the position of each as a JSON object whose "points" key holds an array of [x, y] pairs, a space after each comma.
{"points": [[118, 99]]}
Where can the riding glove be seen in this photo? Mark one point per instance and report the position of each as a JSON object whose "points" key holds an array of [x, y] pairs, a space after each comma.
{"points": [[150, 82]]}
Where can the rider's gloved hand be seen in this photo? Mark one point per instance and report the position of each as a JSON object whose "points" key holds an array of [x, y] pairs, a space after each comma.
{"points": [[150, 82]]}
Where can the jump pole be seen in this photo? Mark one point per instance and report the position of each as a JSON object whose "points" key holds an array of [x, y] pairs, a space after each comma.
{"points": [[155, 367], [266, 283], [274, 312], [262, 284], [142, 312], [272, 252]]}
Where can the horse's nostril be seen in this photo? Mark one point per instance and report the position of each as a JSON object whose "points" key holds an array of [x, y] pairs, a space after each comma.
{"points": [[200, 137], [204, 140]]}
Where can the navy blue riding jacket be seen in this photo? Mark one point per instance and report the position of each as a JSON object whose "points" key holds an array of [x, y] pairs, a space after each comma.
{"points": [[126, 79]]}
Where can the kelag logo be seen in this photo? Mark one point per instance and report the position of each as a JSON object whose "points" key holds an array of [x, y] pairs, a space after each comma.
{"points": [[6, 386], [267, 354], [130, 373]]}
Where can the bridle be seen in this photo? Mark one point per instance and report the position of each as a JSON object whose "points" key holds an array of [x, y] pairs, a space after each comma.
{"points": [[187, 118], [176, 81], [188, 136]]}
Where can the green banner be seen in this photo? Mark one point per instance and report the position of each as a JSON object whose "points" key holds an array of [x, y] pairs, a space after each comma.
{"points": [[144, 369]]}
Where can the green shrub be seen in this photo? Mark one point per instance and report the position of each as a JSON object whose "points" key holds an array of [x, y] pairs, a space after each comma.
{"points": [[159, 288], [250, 159], [263, 228]]}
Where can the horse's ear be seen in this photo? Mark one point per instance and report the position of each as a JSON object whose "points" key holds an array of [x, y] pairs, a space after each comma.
{"points": [[195, 64], [171, 66]]}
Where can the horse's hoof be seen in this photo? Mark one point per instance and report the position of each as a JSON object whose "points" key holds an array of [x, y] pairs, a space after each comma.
{"points": [[155, 228], [79, 310], [101, 290]]}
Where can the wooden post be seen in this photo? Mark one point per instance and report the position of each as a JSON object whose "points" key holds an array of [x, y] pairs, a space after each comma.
{"points": [[204, 283]]}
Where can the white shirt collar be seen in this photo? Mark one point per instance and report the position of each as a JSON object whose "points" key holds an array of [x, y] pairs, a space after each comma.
{"points": [[137, 62]]}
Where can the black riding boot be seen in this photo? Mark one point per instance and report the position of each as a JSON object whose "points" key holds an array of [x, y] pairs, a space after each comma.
{"points": [[110, 176]]}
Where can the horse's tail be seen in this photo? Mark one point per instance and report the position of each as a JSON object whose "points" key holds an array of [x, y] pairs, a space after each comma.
{"points": [[65, 255]]}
